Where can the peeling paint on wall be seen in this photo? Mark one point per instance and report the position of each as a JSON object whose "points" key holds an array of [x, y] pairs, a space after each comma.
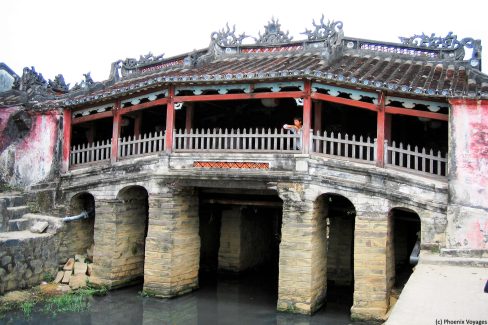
{"points": [[30, 159], [468, 177], [471, 153]]}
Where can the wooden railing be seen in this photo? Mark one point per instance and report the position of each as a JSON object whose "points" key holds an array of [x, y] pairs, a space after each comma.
{"points": [[266, 141], [138, 145], [340, 145], [218, 140], [90, 152], [417, 159]]}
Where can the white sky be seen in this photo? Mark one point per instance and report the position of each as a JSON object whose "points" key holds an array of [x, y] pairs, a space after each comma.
{"points": [[75, 37]]}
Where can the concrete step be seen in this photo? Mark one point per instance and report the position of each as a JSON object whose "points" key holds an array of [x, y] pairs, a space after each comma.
{"points": [[17, 212], [436, 259], [13, 200], [18, 225]]}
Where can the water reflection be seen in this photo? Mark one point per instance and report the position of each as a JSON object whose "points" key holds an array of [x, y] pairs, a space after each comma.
{"points": [[246, 300]]}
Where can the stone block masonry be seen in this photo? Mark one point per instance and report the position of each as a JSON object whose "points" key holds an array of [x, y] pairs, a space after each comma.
{"points": [[173, 243], [372, 282], [303, 253], [26, 258]]}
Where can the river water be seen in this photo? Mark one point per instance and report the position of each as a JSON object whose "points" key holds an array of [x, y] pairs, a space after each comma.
{"points": [[248, 299]]}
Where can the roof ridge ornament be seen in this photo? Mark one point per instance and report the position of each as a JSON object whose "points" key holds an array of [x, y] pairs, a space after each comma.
{"points": [[331, 32], [228, 38], [30, 80], [273, 34], [450, 42], [58, 85]]}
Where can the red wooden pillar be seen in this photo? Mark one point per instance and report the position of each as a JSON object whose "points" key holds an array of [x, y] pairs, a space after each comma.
{"points": [[66, 139], [170, 119], [307, 116], [137, 124], [383, 130], [189, 117], [117, 121], [317, 116]]}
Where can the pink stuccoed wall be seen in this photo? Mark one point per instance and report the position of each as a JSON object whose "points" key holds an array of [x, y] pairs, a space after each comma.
{"points": [[468, 175], [29, 160]]}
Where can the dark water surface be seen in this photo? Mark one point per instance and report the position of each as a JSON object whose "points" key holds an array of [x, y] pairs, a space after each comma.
{"points": [[245, 300]]}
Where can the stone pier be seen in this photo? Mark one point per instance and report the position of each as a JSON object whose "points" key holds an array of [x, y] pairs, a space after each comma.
{"points": [[373, 266], [303, 253], [173, 243]]}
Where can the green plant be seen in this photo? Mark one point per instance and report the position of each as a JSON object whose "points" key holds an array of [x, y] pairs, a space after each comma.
{"points": [[71, 302], [48, 277], [146, 293], [26, 307]]}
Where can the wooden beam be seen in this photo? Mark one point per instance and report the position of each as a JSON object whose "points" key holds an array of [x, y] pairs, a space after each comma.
{"points": [[380, 131], [243, 202], [66, 139], [412, 112], [345, 101], [201, 98], [137, 123], [170, 119], [157, 102], [317, 116], [189, 116], [116, 131], [90, 118], [307, 117]]}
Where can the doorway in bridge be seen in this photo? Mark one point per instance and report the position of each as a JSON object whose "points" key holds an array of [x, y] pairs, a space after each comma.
{"points": [[240, 234], [130, 234], [79, 234], [340, 215], [406, 244]]}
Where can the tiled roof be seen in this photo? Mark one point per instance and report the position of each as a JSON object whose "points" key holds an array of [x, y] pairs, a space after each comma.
{"points": [[436, 70]]}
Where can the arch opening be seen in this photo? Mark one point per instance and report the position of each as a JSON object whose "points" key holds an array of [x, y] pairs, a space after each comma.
{"points": [[132, 215], [79, 234], [340, 216], [406, 228]]}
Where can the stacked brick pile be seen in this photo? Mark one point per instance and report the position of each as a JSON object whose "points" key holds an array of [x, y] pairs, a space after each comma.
{"points": [[75, 272]]}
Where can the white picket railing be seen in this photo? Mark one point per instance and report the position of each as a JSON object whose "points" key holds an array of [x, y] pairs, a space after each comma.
{"points": [[416, 159], [360, 148], [90, 152], [218, 140], [138, 145]]}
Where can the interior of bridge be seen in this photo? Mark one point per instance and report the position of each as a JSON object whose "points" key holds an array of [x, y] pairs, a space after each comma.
{"points": [[240, 233]]}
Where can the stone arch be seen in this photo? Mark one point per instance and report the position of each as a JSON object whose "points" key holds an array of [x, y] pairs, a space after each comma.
{"points": [[405, 225], [131, 222], [339, 213], [78, 236]]}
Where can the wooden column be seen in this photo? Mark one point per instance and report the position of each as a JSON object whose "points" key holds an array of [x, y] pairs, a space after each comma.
{"points": [[137, 123], [307, 108], [117, 119], [317, 116], [383, 130], [67, 139], [170, 119], [189, 116]]}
